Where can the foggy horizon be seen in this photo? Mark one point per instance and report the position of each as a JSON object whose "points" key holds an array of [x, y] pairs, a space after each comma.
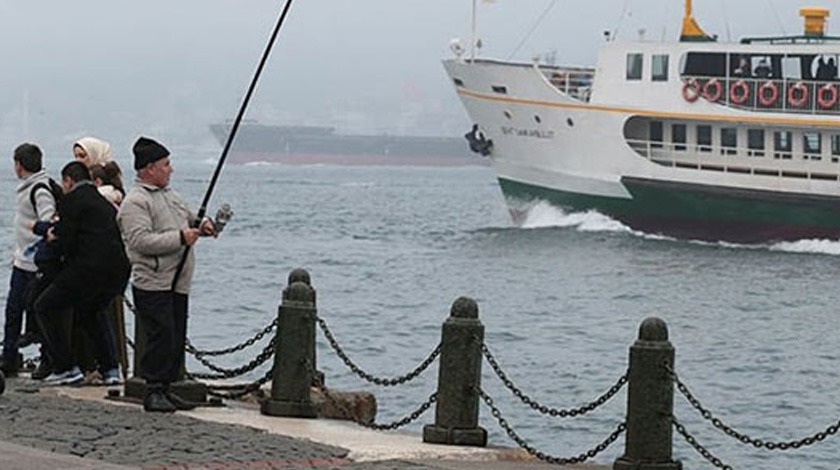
{"points": [[117, 70]]}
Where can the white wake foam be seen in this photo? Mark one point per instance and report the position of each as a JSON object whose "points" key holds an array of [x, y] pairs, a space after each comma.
{"points": [[824, 247], [542, 215]]}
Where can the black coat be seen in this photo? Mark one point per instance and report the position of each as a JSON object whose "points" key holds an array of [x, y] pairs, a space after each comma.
{"points": [[90, 241]]}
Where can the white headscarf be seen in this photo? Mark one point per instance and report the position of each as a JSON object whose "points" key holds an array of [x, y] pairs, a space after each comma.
{"points": [[98, 150]]}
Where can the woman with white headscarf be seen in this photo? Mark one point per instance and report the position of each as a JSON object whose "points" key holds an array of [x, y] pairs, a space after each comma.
{"points": [[96, 155]]}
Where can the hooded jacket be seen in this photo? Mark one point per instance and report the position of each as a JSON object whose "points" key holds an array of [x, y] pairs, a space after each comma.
{"points": [[26, 216]]}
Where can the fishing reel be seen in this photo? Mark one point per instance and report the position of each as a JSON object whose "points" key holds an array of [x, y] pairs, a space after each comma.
{"points": [[223, 216]]}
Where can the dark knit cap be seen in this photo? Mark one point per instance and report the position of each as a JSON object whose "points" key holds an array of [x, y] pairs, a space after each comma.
{"points": [[148, 151]]}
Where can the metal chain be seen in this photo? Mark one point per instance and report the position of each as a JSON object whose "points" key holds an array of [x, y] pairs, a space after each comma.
{"points": [[262, 357], [246, 389], [219, 352], [697, 446], [411, 417], [744, 438], [239, 347], [385, 382], [541, 455], [546, 410]]}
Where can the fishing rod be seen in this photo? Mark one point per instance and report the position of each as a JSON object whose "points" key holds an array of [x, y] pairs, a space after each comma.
{"points": [[217, 172]]}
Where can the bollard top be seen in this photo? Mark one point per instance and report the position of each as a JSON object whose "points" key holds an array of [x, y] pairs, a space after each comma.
{"points": [[299, 292], [464, 307], [299, 275], [653, 329]]}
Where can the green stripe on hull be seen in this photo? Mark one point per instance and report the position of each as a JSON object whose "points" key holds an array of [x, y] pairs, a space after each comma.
{"points": [[702, 211]]}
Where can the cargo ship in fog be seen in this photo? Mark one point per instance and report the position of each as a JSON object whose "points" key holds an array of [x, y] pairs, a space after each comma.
{"points": [[307, 145]]}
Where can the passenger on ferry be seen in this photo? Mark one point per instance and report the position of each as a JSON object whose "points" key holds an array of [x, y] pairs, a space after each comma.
{"points": [[832, 69], [762, 70], [743, 68]]}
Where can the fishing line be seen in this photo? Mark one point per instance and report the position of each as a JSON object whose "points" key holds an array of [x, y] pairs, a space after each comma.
{"points": [[203, 209], [533, 28]]}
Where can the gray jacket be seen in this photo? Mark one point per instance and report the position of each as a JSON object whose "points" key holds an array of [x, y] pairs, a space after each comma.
{"points": [[26, 215], [151, 219]]}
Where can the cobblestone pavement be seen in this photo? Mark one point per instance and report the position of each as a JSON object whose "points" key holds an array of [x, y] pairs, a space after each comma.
{"points": [[125, 435]]}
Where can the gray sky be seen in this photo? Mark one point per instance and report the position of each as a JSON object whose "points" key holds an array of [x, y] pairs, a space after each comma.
{"points": [[117, 69]]}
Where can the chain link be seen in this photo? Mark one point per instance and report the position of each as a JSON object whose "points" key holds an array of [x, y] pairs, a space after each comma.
{"points": [[239, 347], [697, 446], [216, 390], [541, 455], [385, 382], [219, 352], [744, 438], [262, 357], [546, 410]]}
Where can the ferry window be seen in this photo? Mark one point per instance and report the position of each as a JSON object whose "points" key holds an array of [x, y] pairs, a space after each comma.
{"points": [[782, 144], [678, 136], [755, 142], [791, 68], [659, 68], [705, 64], [728, 140], [655, 134], [634, 66], [704, 138], [835, 148], [812, 146]]}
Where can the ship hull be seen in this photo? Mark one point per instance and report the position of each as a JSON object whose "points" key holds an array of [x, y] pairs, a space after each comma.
{"points": [[321, 146], [698, 212]]}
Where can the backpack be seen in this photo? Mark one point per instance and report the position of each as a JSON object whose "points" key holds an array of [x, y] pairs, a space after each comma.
{"points": [[52, 186]]}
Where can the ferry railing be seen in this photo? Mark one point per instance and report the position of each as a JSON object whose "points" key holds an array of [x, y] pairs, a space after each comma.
{"points": [[766, 94], [741, 160], [573, 81]]}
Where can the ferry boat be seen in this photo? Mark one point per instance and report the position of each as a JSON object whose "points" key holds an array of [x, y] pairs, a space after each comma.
{"points": [[692, 139], [308, 145]]}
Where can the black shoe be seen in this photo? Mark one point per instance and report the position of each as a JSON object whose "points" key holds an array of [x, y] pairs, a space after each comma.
{"points": [[42, 371], [9, 370], [27, 339], [180, 403], [157, 402]]}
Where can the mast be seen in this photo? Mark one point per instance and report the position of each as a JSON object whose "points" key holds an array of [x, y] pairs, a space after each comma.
{"points": [[472, 32]]}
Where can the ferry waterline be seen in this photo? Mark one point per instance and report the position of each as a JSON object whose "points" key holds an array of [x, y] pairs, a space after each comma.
{"points": [[694, 139]]}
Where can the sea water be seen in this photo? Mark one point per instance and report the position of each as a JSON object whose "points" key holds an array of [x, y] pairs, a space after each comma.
{"points": [[562, 296]]}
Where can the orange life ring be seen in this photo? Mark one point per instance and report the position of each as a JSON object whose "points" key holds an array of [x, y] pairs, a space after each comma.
{"points": [[798, 87], [691, 90], [827, 96], [713, 90], [739, 92], [764, 98]]}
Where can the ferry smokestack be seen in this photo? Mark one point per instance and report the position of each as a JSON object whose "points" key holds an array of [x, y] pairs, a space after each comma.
{"points": [[691, 30], [814, 20]]}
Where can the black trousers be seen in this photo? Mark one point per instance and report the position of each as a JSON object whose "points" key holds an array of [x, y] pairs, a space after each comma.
{"points": [[164, 317], [55, 309]]}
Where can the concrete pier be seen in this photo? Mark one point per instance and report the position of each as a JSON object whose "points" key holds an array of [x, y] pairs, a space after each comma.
{"points": [[78, 428]]}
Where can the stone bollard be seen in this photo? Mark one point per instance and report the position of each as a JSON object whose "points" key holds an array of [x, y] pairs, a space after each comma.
{"points": [[294, 352], [459, 379], [650, 402]]}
